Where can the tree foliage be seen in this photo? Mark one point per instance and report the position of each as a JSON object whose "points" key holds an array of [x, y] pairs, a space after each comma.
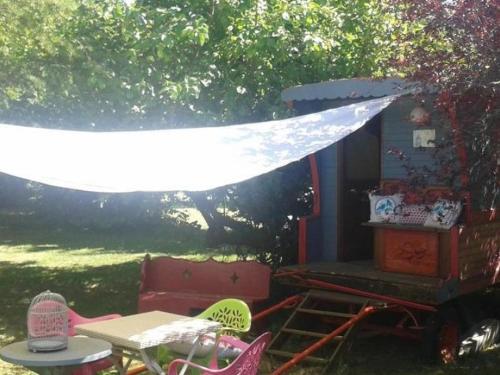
{"points": [[104, 65]]}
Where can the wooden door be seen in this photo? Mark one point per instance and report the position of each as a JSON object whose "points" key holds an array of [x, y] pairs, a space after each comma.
{"points": [[359, 157]]}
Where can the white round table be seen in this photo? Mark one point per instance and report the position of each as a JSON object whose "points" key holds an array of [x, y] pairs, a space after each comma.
{"points": [[80, 350]]}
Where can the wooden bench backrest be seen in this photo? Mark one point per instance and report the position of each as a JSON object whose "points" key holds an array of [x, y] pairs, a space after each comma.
{"points": [[241, 278]]}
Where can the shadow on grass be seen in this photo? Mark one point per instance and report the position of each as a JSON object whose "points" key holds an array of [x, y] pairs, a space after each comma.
{"points": [[391, 355], [91, 291], [174, 238]]}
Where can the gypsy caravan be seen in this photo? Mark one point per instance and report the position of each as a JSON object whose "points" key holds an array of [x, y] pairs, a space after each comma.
{"points": [[374, 242]]}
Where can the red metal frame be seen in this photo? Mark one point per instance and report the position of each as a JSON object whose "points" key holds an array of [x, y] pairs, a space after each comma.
{"points": [[404, 333], [318, 344], [394, 304], [397, 305], [302, 258], [411, 333], [285, 304]]}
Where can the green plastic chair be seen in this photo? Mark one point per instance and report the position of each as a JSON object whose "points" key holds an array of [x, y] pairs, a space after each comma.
{"points": [[234, 314], [236, 319]]}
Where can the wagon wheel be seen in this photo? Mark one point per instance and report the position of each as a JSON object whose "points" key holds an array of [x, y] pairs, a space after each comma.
{"points": [[442, 336], [448, 342]]}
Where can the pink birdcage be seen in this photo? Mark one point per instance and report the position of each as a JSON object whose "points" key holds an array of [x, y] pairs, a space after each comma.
{"points": [[47, 323]]}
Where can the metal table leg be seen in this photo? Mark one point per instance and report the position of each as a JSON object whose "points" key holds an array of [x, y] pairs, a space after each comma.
{"points": [[151, 364], [118, 359], [190, 355]]}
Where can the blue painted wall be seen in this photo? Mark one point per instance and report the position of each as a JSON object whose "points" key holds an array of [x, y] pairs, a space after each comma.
{"points": [[314, 239], [322, 232], [328, 171], [397, 132]]}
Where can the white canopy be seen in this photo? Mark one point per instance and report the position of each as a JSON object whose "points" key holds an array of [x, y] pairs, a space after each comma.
{"points": [[176, 159]]}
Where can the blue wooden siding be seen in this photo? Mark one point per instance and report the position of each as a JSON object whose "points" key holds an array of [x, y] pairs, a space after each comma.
{"points": [[314, 239], [328, 171], [397, 132], [322, 234]]}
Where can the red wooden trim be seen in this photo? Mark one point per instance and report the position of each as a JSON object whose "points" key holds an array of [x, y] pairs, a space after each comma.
{"points": [[313, 163], [302, 240], [302, 255], [454, 241]]}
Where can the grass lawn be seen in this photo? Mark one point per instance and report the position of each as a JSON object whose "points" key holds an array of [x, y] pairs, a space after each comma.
{"points": [[98, 273]]}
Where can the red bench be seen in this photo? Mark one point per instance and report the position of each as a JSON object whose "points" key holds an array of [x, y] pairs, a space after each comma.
{"points": [[186, 287]]}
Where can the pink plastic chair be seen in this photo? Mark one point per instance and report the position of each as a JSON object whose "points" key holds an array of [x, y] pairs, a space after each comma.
{"points": [[247, 363], [94, 367], [227, 342]]}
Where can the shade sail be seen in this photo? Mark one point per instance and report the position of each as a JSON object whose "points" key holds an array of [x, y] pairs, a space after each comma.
{"points": [[176, 159]]}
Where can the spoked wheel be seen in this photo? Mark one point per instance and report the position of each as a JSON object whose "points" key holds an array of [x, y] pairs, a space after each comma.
{"points": [[442, 336], [448, 342]]}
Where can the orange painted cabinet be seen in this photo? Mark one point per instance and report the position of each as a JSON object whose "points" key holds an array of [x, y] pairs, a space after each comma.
{"points": [[412, 251]]}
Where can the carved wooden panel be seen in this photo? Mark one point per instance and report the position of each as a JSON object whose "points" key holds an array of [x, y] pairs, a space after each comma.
{"points": [[410, 252]]}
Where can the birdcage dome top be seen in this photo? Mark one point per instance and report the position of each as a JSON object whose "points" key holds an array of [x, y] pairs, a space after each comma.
{"points": [[59, 302]]}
